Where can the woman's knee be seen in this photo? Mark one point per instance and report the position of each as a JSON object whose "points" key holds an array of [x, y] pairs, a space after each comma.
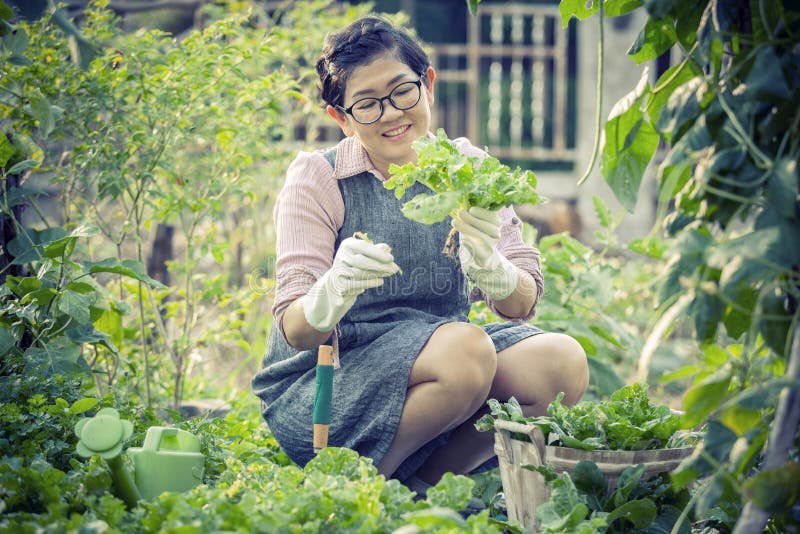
{"points": [[469, 361], [573, 366]]}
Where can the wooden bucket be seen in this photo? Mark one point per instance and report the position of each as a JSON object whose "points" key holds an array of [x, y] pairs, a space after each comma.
{"points": [[525, 490]]}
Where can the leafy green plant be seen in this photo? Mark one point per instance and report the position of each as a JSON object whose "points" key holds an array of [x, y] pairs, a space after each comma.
{"points": [[457, 182], [250, 484], [626, 421], [188, 135], [580, 503], [51, 320]]}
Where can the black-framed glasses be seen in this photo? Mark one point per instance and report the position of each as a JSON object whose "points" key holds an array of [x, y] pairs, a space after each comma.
{"points": [[369, 110]]}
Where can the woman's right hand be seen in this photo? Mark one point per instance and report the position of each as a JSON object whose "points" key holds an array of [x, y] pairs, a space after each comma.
{"points": [[357, 266]]}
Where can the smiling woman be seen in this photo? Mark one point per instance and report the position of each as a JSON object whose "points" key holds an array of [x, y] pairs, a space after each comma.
{"points": [[414, 375]]}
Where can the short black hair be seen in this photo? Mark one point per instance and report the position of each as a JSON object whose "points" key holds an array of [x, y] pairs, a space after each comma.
{"points": [[358, 44]]}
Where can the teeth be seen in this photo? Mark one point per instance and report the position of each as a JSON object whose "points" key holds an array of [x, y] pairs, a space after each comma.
{"points": [[396, 131]]}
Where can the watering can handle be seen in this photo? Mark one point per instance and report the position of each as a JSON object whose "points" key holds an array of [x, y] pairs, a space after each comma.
{"points": [[152, 441]]}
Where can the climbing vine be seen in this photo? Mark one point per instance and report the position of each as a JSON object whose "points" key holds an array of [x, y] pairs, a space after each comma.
{"points": [[728, 191]]}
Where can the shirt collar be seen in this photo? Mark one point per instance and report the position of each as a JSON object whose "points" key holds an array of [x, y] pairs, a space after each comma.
{"points": [[352, 159]]}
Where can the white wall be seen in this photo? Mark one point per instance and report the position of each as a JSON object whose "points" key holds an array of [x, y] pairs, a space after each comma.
{"points": [[621, 75]]}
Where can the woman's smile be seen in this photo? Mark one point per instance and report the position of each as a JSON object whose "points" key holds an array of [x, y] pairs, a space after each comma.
{"points": [[397, 133]]}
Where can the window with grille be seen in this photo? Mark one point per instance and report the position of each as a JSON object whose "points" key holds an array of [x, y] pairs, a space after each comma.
{"points": [[511, 85]]}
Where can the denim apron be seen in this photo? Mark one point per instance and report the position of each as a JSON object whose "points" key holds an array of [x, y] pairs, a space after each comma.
{"points": [[379, 338]]}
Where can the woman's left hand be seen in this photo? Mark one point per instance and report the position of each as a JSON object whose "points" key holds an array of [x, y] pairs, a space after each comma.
{"points": [[492, 272]]}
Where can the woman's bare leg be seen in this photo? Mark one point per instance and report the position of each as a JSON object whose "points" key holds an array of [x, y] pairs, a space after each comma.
{"points": [[534, 371], [449, 382]]}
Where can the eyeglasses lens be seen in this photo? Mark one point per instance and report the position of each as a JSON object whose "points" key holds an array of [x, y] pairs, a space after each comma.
{"points": [[404, 96]]}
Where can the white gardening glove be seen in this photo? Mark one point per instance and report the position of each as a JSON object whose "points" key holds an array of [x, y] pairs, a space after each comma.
{"points": [[357, 266], [492, 272]]}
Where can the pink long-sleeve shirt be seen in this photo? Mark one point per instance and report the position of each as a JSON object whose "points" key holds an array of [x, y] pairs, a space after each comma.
{"points": [[309, 212]]}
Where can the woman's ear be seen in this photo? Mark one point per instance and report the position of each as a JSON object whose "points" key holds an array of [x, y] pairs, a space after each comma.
{"points": [[340, 119], [430, 76]]}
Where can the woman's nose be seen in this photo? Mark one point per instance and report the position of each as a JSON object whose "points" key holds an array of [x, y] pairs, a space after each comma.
{"points": [[390, 112]]}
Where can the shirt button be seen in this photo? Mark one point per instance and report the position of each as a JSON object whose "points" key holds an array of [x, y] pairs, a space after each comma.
{"points": [[514, 220]]}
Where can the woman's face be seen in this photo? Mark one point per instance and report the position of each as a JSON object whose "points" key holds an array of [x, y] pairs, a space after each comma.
{"points": [[388, 140]]}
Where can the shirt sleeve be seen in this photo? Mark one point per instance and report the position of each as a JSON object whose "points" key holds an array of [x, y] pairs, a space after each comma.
{"points": [[308, 213], [511, 245]]}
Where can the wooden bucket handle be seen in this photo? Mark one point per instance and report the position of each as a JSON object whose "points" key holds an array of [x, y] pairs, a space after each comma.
{"points": [[505, 428]]}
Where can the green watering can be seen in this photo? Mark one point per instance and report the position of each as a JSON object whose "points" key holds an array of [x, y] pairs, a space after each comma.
{"points": [[169, 460]]}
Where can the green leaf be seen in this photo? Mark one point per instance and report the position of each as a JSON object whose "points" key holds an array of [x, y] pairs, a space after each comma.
{"points": [[457, 181], [6, 13], [627, 482], [714, 357], [740, 420], [651, 246], [19, 61], [590, 481], [76, 305], [452, 491], [782, 188], [705, 397], [577, 9], [654, 39], [738, 278], [603, 212], [472, 5], [616, 8], [43, 296], [706, 310], [42, 112], [83, 405], [86, 333], [564, 510], [640, 512], [7, 150], [437, 519], [775, 490], [766, 81], [110, 323], [430, 209], [7, 339], [16, 42], [775, 320], [671, 79], [761, 396], [630, 145], [24, 166], [59, 356], [681, 109], [130, 268], [22, 286]]}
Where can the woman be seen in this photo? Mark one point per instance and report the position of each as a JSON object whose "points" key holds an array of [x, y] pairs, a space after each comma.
{"points": [[415, 374]]}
